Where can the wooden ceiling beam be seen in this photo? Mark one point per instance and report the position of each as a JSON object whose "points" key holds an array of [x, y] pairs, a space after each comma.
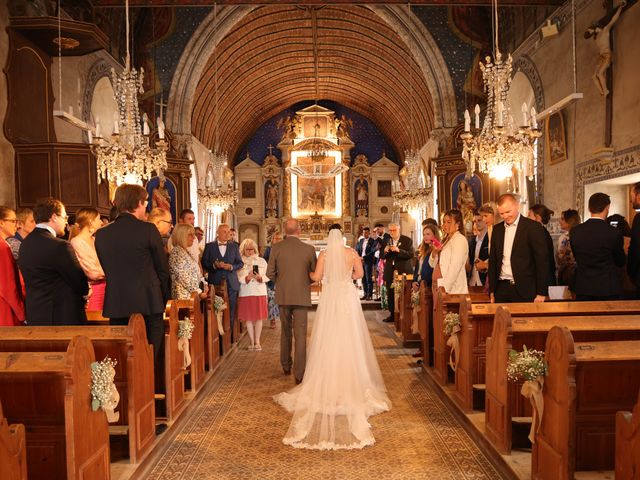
{"points": [[209, 3]]}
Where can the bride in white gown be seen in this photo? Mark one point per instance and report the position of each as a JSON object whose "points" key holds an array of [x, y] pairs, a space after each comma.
{"points": [[342, 384]]}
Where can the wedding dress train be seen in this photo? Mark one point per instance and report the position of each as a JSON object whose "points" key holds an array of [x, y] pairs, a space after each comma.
{"points": [[342, 384]]}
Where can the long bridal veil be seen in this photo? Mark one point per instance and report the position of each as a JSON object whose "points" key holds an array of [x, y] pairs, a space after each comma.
{"points": [[342, 384]]}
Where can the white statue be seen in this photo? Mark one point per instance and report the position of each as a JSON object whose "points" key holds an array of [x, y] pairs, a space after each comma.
{"points": [[602, 37]]}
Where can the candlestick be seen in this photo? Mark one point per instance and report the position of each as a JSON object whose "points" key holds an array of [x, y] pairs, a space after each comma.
{"points": [[477, 112], [160, 128], [525, 120], [467, 121]]}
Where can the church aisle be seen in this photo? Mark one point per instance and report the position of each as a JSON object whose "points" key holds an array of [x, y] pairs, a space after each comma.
{"points": [[235, 429]]}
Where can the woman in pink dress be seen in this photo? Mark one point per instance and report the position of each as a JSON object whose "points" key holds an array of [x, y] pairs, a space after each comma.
{"points": [[81, 238]]}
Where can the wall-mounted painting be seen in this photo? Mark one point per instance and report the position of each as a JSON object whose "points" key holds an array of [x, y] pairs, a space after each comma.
{"points": [[384, 188], [466, 196], [162, 194], [555, 138]]}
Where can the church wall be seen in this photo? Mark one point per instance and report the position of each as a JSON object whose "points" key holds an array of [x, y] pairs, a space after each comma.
{"points": [[7, 171], [585, 119]]}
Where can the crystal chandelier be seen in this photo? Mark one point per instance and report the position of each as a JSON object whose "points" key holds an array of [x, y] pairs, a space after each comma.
{"points": [[500, 146], [418, 194], [127, 156], [217, 195]]}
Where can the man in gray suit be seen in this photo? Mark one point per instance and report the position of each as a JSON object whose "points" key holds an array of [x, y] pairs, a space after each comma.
{"points": [[290, 263]]}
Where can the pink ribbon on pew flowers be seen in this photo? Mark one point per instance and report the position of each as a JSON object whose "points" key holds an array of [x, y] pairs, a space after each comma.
{"points": [[104, 393], [454, 343], [532, 389]]}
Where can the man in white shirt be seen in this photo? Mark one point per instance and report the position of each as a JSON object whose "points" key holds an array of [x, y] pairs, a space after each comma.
{"points": [[518, 264]]}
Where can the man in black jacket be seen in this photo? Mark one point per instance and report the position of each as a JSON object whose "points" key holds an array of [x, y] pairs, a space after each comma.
{"points": [[364, 248], [54, 280], [518, 263], [398, 255], [633, 263], [478, 252], [599, 252], [135, 265]]}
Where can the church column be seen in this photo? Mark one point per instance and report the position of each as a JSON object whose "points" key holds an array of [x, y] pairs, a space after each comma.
{"points": [[286, 179]]}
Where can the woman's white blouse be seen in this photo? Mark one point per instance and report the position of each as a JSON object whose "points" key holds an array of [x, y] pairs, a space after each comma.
{"points": [[453, 259], [253, 288]]}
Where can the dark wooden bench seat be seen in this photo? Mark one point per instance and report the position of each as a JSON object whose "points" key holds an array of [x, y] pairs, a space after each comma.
{"points": [[50, 394], [13, 450], [134, 370], [586, 385], [503, 399], [628, 444], [193, 310]]}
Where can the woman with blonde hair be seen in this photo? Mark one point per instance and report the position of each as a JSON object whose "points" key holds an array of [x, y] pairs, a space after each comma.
{"points": [[81, 238], [252, 297], [185, 271]]}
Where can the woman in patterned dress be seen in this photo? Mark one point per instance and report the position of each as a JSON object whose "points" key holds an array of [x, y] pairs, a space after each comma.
{"points": [[185, 272], [274, 311], [564, 255]]}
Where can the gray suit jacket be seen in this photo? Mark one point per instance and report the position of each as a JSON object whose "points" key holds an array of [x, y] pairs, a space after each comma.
{"points": [[290, 263]]}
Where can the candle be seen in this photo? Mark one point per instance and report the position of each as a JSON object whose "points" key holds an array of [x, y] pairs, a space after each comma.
{"points": [[525, 120], [116, 126], [98, 128], [78, 86], [477, 112], [467, 121], [500, 120], [90, 135], [534, 121], [160, 128], [145, 125]]}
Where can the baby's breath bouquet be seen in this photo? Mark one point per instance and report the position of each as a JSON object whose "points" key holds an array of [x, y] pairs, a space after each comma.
{"points": [[530, 367], [103, 390], [415, 299], [527, 365], [218, 304], [185, 328], [451, 323]]}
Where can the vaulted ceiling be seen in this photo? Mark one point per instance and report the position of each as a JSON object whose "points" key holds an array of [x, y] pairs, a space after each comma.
{"points": [[266, 64]]}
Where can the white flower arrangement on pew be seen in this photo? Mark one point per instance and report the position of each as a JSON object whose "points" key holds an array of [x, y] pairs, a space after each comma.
{"points": [[451, 323], [451, 328], [397, 284], [529, 366], [185, 332], [415, 299], [104, 393], [218, 307]]}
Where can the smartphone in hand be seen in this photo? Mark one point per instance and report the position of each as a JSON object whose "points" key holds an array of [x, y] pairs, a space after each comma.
{"points": [[255, 270], [436, 243]]}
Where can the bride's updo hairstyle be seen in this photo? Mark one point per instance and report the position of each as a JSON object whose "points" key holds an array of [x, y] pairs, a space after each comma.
{"points": [[335, 226]]}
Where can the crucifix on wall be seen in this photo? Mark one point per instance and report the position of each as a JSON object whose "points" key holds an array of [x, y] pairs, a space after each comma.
{"points": [[602, 33]]}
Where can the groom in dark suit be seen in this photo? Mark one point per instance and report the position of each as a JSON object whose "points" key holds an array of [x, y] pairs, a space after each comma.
{"points": [[518, 257], [221, 260], [364, 248]]}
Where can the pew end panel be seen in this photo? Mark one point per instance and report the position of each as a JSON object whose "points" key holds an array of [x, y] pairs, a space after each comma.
{"points": [[13, 450], [405, 320], [192, 309], [628, 444], [213, 335], [425, 318], [174, 373], [225, 338]]}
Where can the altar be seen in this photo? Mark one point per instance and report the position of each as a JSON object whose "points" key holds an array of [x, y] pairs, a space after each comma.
{"points": [[315, 182]]}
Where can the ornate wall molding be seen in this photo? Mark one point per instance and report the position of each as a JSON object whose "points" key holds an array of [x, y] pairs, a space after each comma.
{"points": [[623, 162]]}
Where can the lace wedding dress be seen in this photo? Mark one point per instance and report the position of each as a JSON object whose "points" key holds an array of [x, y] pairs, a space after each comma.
{"points": [[342, 384]]}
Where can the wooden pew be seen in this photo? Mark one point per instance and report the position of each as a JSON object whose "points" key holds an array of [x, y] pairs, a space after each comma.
{"points": [[404, 319], [628, 444], [134, 369], [442, 304], [212, 341], [225, 339], [504, 401], [50, 393], [175, 400], [425, 321], [13, 451], [476, 321], [587, 383], [196, 370]]}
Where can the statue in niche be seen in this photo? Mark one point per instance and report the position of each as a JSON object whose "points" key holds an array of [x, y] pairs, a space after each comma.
{"points": [[602, 37], [361, 195], [342, 126], [290, 126], [271, 198]]}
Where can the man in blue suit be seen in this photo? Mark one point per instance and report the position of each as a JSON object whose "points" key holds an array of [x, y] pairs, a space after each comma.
{"points": [[364, 248], [221, 260]]}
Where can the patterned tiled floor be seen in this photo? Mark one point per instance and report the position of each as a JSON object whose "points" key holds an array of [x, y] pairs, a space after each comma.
{"points": [[236, 430]]}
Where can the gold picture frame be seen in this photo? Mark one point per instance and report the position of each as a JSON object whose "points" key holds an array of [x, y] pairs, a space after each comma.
{"points": [[555, 138]]}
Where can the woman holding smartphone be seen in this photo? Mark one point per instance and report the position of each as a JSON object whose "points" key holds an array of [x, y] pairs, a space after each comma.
{"points": [[252, 298], [452, 255]]}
